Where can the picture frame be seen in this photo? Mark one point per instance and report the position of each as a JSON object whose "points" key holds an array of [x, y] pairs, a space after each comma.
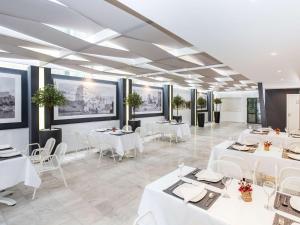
{"points": [[153, 98], [98, 102], [205, 96], [13, 99]]}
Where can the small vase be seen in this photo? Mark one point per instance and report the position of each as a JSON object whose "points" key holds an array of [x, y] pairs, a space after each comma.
{"points": [[247, 196], [277, 132], [267, 148]]}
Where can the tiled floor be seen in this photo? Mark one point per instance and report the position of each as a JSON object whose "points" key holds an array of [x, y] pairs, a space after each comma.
{"points": [[108, 193]]}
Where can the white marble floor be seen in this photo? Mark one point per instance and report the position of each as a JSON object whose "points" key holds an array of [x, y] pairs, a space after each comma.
{"points": [[108, 193]]}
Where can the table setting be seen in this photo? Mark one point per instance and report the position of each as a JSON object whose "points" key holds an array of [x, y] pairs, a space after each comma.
{"points": [[181, 129], [8, 152], [176, 199]]}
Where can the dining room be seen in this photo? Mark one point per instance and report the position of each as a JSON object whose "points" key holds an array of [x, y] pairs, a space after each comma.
{"points": [[149, 112]]}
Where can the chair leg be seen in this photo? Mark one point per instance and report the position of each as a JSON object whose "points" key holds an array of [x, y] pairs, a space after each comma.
{"points": [[63, 176], [34, 192], [113, 154], [100, 154]]}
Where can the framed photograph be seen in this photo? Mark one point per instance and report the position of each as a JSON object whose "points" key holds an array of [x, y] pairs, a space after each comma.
{"points": [[87, 100], [13, 99], [152, 100], [203, 95]]}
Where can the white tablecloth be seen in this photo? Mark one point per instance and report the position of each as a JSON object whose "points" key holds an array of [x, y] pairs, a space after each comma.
{"points": [[268, 159], [17, 170], [123, 143], [169, 210], [182, 130], [279, 140]]}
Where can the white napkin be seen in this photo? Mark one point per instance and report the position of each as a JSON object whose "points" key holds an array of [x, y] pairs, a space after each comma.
{"points": [[295, 223], [4, 146], [190, 191], [209, 175]]}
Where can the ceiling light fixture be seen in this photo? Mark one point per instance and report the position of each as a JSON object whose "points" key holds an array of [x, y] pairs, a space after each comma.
{"points": [[273, 53], [58, 3], [279, 71]]}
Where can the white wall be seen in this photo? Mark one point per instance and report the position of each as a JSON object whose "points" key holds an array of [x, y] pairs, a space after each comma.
{"points": [[17, 138], [234, 105], [185, 113]]}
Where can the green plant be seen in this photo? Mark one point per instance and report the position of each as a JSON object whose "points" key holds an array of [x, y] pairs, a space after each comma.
{"points": [[217, 101], [134, 100], [201, 102], [178, 102], [48, 97]]}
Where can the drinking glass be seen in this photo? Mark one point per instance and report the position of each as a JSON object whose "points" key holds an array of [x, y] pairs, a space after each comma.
{"points": [[269, 189], [180, 168], [226, 181]]}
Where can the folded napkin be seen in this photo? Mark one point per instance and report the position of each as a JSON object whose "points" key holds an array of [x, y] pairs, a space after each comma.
{"points": [[5, 147], [189, 191], [209, 175], [241, 147]]}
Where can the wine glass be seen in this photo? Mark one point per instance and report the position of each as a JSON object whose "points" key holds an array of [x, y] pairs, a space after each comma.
{"points": [[226, 181], [180, 168], [269, 189]]}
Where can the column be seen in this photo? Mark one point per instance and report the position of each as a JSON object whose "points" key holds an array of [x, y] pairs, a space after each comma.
{"points": [[168, 96], [194, 107]]}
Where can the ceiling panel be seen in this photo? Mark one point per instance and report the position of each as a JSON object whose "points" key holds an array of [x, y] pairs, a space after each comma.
{"points": [[137, 70], [48, 12], [173, 63], [144, 49], [238, 77], [101, 50], [202, 58]]}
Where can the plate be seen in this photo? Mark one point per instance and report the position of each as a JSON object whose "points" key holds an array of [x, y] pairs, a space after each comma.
{"points": [[293, 156], [10, 154], [295, 150], [241, 147], [4, 146], [101, 129], [185, 188], [127, 131], [295, 203], [208, 175]]}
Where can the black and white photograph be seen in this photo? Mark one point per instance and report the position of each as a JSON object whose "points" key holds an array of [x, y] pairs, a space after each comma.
{"points": [[10, 98], [86, 99], [152, 99]]}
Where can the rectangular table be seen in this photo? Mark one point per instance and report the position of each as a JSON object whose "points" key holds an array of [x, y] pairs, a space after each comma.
{"points": [[16, 170], [123, 143], [280, 140], [182, 130], [268, 159], [169, 210]]}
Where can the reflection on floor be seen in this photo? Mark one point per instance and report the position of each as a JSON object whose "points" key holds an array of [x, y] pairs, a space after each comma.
{"points": [[108, 193]]}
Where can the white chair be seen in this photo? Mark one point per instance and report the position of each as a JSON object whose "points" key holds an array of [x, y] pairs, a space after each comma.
{"points": [[285, 173], [290, 185], [127, 128], [146, 219], [39, 152], [99, 144], [227, 168], [170, 133], [52, 162], [293, 145], [241, 162], [251, 140], [81, 141]]}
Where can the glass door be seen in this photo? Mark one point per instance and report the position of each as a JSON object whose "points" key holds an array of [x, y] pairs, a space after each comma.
{"points": [[252, 110]]}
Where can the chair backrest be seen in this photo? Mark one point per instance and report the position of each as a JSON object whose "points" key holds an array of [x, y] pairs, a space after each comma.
{"points": [[241, 162], [146, 219], [251, 139], [127, 128], [293, 145], [93, 140], [287, 172], [49, 145], [60, 151], [290, 185], [227, 168]]}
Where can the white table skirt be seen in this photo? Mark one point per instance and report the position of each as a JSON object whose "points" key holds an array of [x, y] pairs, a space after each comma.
{"points": [[268, 159], [123, 143], [279, 140], [169, 210], [17, 170], [182, 130]]}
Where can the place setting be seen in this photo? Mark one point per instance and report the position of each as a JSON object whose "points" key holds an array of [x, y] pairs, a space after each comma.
{"points": [[261, 131], [287, 203], [292, 152], [8, 152], [250, 148]]}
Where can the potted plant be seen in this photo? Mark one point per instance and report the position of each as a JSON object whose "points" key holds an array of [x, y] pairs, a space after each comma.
{"points": [[218, 103], [134, 100], [201, 116], [178, 102], [49, 97]]}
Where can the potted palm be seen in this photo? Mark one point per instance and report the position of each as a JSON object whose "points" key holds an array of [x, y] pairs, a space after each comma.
{"points": [[178, 102], [134, 101], [49, 97], [217, 113], [201, 116]]}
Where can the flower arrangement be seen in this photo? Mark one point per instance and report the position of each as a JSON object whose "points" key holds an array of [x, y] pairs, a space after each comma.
{"points": [[277, 130], [246, 190], [267, 145], [114, 129]]}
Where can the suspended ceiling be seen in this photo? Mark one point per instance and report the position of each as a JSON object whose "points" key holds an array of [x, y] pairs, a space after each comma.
{"points": [[104, 38]]}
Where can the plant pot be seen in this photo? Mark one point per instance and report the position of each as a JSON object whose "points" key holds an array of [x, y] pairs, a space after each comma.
{"points": [[217, 117], [267, 148], [246, 196], [177, 118], [134, 124], [45, 134], [201, 119]]}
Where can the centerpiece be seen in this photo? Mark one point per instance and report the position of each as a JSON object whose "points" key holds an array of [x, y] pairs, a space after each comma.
{"points": [[134, 101], [246, 190], [277, 130], [267, 145]]}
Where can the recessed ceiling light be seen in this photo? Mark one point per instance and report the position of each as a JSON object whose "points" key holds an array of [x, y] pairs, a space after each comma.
{"points": [[279, 71], [273, 53], [282, 79]]}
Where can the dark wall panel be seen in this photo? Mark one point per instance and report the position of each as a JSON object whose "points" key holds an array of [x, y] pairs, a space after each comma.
{"points": [[262, 105], [193, 107], [275, 105]]}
